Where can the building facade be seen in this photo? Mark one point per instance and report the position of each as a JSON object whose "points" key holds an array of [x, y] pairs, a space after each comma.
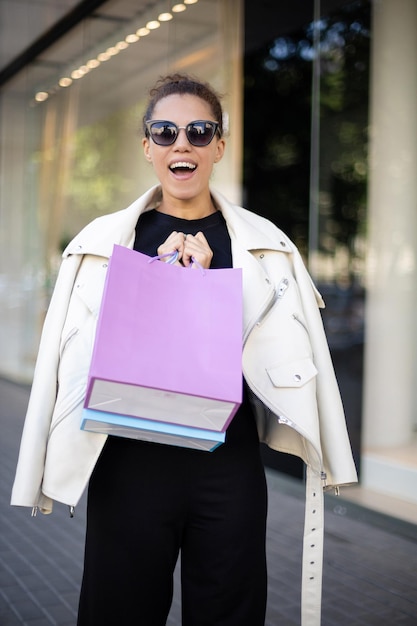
{"points": [[320, 97]]}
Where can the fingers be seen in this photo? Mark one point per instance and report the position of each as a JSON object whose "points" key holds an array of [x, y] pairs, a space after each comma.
{"points": [[175, 242], [188, 247], [197, 247]]}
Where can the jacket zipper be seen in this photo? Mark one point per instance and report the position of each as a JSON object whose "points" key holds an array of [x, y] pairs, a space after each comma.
{"points": [[275, 296], [283, 419], [71, 510], [297, 319], [288, 422], [282, 287], [65, 414]]}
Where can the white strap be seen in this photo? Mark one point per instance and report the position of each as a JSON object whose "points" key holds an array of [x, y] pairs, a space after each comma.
{"points": [[312, 551]]}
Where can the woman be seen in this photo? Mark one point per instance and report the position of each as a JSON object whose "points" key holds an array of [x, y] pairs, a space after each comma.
{"points": [[147, 502]]}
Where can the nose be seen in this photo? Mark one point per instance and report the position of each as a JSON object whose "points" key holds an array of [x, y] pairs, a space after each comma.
{"points": [[182, 140]]}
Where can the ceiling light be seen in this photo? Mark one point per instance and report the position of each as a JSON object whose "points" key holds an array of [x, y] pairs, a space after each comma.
{"points": [[153, 25], [65, 81], [41, 96], [142, 32], [93, 63], [179, 8], [165, 17], [190, 1], [103, 56], [133, 38], [113, 51], [122, 45]]}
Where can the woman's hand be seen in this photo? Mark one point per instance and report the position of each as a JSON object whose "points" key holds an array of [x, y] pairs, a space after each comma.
{"points": [[196, 247], [189, 247], [175, 242]]}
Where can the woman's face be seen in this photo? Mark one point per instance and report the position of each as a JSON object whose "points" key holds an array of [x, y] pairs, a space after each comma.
{"points": [[183, 170]]}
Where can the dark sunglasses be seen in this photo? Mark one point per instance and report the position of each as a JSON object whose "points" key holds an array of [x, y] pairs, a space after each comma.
{"points": [[199, 133]]}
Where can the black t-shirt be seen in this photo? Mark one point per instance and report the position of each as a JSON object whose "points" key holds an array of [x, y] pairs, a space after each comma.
{"points": [[152, 229]]}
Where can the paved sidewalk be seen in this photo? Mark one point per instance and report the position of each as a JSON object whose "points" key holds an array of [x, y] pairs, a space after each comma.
{"points": [[370, 560]]}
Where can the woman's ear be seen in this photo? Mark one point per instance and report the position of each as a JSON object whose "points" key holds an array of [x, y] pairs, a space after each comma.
{"points": [[220, 148], [147, 149]]}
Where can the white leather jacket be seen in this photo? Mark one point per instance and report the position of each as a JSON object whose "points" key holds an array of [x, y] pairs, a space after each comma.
{"points": [[286, 364]]}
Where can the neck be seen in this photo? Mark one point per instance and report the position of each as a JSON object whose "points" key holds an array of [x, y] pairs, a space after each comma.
{"points": [[188, 209]]}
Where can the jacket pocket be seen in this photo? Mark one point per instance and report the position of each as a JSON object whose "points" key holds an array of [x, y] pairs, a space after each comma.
{"points": [[294, 374]]}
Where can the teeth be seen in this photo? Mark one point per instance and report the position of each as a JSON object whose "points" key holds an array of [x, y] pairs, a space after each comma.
{"points": [[183, 164]]}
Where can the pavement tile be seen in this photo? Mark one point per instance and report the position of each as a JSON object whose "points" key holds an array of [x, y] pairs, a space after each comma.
{"points": [[40, 622], [28, 608], [9, 618], [61, 614]]}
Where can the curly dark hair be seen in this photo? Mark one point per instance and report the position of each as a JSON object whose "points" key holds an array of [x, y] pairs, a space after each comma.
{"points": [[184, 84]]}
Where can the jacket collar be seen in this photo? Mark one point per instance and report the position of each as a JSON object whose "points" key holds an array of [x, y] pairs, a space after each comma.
{"points": [[119, 228]]}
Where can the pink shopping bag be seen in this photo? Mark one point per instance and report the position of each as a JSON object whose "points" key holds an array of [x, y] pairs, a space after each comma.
{"points": [[168, 345]]}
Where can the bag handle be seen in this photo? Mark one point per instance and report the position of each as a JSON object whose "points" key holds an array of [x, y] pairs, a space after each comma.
{"points": [[173, 258]]}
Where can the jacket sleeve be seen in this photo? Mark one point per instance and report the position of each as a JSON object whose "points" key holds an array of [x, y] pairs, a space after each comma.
{"points": [[29, 473], [335, 444]]}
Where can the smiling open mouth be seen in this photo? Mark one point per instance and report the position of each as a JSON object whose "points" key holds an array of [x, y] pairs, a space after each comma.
{"points": [[182, 166]]}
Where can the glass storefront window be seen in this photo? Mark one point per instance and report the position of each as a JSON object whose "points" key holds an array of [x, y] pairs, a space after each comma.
{"points": [[71, 145]]}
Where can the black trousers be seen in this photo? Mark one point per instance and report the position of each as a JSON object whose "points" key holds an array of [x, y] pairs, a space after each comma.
{"points": [[148, 503]]}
